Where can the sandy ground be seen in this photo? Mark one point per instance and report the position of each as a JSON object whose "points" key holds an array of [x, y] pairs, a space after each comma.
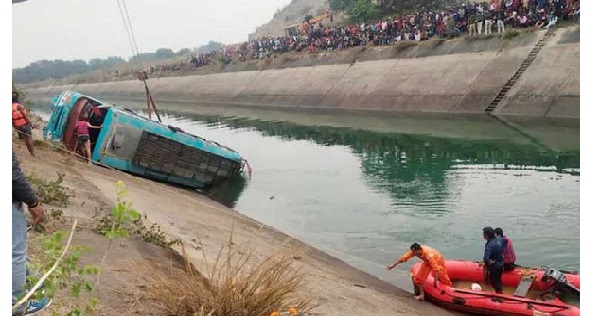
{"points": [[338, 288]]}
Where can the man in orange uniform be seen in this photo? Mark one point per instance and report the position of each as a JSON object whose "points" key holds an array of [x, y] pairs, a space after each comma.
{"points": [[21, 122], [432, 261]]}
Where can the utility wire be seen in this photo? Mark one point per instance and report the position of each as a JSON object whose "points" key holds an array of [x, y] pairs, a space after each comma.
{"points": [[129, 35], [130, 28]]}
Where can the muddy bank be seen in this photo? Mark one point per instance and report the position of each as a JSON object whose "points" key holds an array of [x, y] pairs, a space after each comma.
{"points": [[456, 76], [338, 288]]}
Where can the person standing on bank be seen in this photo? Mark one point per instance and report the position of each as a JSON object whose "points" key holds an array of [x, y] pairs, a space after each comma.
{"points": [[432, 261], [23, 193], [508, 252], [21, 122], [493, 259]]}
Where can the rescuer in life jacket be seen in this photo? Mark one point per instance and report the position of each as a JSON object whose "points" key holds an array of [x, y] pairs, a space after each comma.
{"points": [[433, 261], [21, 122]]}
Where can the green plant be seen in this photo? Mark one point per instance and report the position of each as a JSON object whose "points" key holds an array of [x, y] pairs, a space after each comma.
{"points": [[50, 192], [69, 274], [123, 215], [152, 234], [339, 5], [138, 229], [363, 10]]}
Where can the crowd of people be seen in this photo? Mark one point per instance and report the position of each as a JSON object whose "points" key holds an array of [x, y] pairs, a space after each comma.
{"points": [[473, 19]]}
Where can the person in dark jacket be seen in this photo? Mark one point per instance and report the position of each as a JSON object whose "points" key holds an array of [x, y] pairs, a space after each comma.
{"points": [[493, 258], [23, 193]]}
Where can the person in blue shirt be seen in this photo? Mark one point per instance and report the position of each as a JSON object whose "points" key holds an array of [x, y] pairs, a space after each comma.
{"points": [[493, 258]]}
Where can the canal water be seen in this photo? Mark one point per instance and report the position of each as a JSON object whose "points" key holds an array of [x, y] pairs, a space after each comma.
{"points": [[366, 196]]}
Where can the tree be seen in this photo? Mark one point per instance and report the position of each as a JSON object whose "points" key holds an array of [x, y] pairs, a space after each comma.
{"points": [[142, 57], [164, 53], [308, 17], [363, 10], [184, 52], [340, 5], [211, 46], [414, 6], [58, 68], [113, 60], [96, 63]]}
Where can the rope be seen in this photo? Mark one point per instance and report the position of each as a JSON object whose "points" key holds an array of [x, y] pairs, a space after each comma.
{"points": [[130, 27], [136, 52], [129, 35], [43, 278], [477, 296], [505, 301]]}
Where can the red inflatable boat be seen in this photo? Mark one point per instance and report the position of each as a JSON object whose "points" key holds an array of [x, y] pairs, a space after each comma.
{"points": [[527, 291]]}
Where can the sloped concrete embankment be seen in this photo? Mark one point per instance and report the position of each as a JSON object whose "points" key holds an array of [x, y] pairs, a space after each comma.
{"points": [[550, 87], [458, 76]]}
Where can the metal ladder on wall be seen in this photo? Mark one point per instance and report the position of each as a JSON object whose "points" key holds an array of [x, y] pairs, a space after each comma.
{"points": [[524, 65]]}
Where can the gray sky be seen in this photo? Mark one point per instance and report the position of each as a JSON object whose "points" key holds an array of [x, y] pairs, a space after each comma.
{"points": [[85, 29]]}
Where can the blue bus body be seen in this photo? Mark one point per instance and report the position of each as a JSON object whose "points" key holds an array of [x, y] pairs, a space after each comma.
{"points": [[135, 144]]}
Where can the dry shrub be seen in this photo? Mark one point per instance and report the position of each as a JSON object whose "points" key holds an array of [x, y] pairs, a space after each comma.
{"points": [[401, 46], [51, 192], [232, 286], [510, 34]]}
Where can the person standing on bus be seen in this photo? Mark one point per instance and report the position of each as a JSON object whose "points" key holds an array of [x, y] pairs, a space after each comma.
{"points": [[82, 129]]}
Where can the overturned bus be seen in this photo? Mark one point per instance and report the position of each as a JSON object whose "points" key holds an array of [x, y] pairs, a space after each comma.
{"points": [[138, 145]]}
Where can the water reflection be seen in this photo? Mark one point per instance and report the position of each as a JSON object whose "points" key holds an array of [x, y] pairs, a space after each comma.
{"points": [[412, 169], [228, 192]]}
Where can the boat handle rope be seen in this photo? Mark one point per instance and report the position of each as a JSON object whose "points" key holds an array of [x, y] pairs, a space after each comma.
{"points": [[481, 296]]}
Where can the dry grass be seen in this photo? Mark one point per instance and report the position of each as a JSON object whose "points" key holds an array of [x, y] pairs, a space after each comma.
{"points": [[232, 286], [404, 45], [510, 34]]}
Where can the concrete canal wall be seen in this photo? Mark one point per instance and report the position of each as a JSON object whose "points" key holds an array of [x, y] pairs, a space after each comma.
{"points": [[455, 76]]}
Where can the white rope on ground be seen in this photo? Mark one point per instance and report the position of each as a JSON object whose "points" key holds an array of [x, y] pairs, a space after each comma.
{"points": [[41, 281]]}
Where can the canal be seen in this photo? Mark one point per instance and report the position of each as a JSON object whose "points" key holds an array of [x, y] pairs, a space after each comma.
{"points": [[365, 195]]}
